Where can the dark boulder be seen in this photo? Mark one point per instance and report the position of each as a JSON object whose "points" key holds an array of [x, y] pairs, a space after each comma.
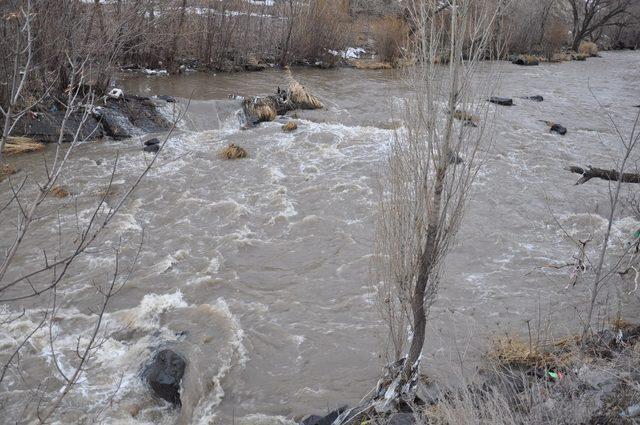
{"points": [[151, 142], [536, 98], [401, 419], [164, 376], [311, 420], [123, 118], [45, 126], [454, 158], [151, 148], [526, 60], [114, 122], [167, 99], [557, 128], [504, 101], [323, 420]]}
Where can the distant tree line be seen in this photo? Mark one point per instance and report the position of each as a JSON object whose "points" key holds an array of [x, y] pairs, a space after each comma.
{"points": [[233, 35]]}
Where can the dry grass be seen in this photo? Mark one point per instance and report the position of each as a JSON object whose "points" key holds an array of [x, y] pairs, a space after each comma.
{"points": [[7, 170], [107, 192], [233, 152], [466, 116], [513, 352], [587, 48], [371, 65], [390, 35], [59, 192], [265, 112], [560, 57], [290, 126], [18, 145], [300, 96]]}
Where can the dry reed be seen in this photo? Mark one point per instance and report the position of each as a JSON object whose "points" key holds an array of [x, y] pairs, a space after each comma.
{"points": [[300, 97], [290, 126], [7, 170], [233, 152], [59, 192], [587, 48], [18, 145], [466, 116]]}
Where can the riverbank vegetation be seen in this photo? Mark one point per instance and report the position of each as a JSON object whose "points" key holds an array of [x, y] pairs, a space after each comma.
{"points": [[170, 36]]}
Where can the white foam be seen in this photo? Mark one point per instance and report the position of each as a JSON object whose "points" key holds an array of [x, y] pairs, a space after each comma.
{"points": [[147, 314], [205, 412]]}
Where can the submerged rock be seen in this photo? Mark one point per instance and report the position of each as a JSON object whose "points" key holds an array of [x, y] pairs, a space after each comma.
{"points": [[164, 376], [504, 101], [289, 127], [454, 158], [123, 118], [401, 419], [526, 60], [323, 420], [167, 99], [151, 148], [557, 128]]}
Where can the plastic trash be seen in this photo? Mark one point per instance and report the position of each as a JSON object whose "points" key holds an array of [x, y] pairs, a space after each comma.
{"points": [[116, 94], [556, 376]]}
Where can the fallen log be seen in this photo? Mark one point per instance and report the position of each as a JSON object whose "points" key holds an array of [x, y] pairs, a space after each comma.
{"points": [[600, 173]]}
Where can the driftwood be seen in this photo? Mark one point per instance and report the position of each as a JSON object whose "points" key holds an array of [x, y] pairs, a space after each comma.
{"points": [[599, 173]]}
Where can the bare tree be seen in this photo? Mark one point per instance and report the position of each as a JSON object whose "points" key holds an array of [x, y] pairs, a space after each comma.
{"points": [[593, 15], [432, 164]]}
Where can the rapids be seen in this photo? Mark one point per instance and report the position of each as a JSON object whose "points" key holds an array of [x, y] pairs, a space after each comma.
{"points": [[257, 270]]}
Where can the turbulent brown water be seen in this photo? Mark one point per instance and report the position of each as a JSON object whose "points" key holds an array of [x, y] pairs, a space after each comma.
{"points": [[257, 270]]}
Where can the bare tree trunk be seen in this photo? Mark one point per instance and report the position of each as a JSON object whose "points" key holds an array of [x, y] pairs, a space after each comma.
{"points": [[426, 267]]}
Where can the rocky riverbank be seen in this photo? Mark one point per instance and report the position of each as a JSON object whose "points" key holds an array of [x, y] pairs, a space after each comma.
{"points": [[119, 118], [525, 382]]}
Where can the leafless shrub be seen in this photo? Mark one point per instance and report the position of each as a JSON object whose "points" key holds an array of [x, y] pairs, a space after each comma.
{"points": [[322, 30], [390, 37], [555, 37], [588, 48]]}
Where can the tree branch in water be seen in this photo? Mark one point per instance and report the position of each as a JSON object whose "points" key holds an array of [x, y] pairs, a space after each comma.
{"points": [[600, 173]]}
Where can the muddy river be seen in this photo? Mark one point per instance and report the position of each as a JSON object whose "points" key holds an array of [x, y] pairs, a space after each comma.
{"points": [[258, 270]]}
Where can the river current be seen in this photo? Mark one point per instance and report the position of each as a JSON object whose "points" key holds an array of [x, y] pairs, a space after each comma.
{"points": [[258, 270]]}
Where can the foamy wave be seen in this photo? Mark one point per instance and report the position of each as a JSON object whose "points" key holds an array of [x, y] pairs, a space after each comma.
{"points": [[147, 314], [205, 413]]}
